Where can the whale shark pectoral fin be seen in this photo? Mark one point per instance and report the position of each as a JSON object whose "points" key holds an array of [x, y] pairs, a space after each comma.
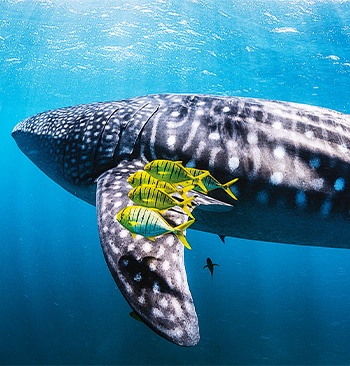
{"points": [[157, 290]]}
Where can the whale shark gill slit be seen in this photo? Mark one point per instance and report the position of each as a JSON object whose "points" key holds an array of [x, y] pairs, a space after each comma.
{"points": [[94, 168]]}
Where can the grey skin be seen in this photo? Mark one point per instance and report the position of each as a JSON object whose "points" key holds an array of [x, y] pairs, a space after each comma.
{"points": [[292, 161], [210, 265]]}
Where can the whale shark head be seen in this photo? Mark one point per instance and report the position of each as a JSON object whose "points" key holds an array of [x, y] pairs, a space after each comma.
{"points": [[74, 145], [292, 161]]}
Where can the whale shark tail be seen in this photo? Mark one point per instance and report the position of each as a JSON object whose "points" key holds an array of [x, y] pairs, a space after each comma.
{"points": [[227, 189]]}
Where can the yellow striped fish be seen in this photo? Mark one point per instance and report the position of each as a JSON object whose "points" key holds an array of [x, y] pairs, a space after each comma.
{"points": [[153, 197], [149, 223], [173, 172], [211, 183], [141, 177]]}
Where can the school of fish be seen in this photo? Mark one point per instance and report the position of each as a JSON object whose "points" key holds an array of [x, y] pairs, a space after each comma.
{"points": [[152, 193]]}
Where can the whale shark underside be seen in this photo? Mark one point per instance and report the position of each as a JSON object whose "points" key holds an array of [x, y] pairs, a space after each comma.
{"points": [[292, 161]]}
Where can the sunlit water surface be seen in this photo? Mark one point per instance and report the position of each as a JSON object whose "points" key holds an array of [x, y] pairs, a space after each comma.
{"points": [[267, 303]]}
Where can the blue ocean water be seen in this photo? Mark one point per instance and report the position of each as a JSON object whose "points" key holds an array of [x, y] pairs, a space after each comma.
{"points": [[268, 303]]}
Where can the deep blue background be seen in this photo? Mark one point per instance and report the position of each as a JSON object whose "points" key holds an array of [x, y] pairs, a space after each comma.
{"points": [[268, 303]]}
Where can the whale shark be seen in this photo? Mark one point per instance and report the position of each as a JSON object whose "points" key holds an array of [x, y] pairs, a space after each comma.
{"points": [[292, 162]]}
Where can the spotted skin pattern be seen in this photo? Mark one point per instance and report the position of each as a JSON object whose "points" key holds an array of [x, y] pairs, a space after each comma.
{"points": [[292, 161], [157, 289]]}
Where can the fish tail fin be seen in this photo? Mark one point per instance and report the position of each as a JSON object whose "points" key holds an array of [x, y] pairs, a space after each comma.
{"points": [[183, 240], [198, 181], [184, 205], [182, 192], [227, 189], [178, 232]]}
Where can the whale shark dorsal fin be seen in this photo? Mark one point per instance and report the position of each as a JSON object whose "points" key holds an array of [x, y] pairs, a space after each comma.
{"points": [[157, 290]]}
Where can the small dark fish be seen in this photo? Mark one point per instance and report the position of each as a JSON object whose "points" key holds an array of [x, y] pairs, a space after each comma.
{"points": [[210, 265]]}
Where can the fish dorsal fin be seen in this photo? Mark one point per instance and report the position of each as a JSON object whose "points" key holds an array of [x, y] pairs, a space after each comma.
{"points": [[157, 290]]}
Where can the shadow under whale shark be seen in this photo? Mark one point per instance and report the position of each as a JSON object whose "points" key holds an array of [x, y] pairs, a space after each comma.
{"points": [[292, 161]]}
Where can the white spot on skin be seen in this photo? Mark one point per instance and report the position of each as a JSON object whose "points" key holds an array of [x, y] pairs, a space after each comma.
{"points": [[177, 307], [192, 133], [165, 265], [147, 247], [279, 152], [339, 129], [171, 141], [214, 136], [123, 233], [138, 277], [177, 332], [152, 266], [213, 154], [233, 163], [226, 109], [141, 300], [317, 183], [156, 312], [163, 302], [188, 306], [339, 184], [277, 125], [175, 114], [115, 249], [170, 240], [309, 134], [252, 138], [343, 148], [276, 178], [178, 277], [128, 288], [161, 251]]}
